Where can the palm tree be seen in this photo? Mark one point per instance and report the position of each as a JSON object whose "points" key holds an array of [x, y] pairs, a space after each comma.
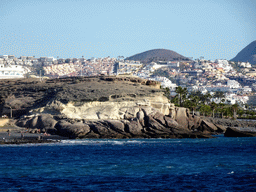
{"points": [[240, 112], [219, 95], [194, 100], [182, 93], [235, 108], [205, 109], [175, 100], [207, 98], [213, 106], [227, 110], [221, 105]]}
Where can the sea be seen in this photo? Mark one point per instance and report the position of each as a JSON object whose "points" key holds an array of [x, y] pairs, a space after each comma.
{"points": [[218, 164]]}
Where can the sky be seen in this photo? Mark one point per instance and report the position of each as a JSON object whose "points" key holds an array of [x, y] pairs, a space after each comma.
{"points": [[214, 29]]}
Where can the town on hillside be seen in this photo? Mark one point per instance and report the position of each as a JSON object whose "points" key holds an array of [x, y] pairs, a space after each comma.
{"points": [[236, 80]]}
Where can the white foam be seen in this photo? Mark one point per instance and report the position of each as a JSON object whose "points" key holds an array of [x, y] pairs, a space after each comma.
{"points": [[100, 141], [116, 141]]}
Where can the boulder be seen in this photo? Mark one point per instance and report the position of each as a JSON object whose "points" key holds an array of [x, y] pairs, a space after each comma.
{"points": [[181, 116], [148, 110], [207, 127], [159, 117], [24, 121], [176, 129], [131, 112], [170, 122], [46, 121], [194, 122], [221, 128], [106, 129], [152, 125], [75, 130], [140, 116], [133, 127], [32, 123], [234, 132], [116, 125]]}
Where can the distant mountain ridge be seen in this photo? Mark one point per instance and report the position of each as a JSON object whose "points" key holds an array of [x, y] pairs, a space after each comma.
{"points": [[156, 55], [248, 54]]}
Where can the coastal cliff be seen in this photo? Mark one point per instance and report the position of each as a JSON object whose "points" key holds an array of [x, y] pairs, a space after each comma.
{"points": [[100, 107]]}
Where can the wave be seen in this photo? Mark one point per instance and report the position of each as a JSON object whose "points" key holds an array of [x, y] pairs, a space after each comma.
{"points": [[110, 142], [100, 141]]}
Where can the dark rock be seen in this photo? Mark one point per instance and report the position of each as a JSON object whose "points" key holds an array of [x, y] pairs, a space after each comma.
{"points": [[207, 127], [230, 122], [103, 129], [156, 127], [159, 117], [133, 127], [116, 125], [194, 122], [170, 122], [75, 130], [46, 121], [233, 132], [221, 128], [33, 122], [22, 122], [140, 116]]}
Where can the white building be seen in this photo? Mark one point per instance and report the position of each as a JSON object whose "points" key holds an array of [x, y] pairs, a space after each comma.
{"points": [[173, 64], [232, 98], [222, 63], [245, 65], [165, 82], [233, 84], [11, 71], [247, 89]]}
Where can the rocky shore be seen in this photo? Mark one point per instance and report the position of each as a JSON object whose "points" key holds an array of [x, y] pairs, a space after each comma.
{"points": [[143, 122], [104, 107], [12, 134]]}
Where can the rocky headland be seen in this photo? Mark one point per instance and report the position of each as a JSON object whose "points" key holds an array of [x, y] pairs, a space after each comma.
{"points": [[100, 107]]}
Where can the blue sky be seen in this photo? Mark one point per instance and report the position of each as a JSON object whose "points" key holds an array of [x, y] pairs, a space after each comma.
{"points": [[100, 28]]}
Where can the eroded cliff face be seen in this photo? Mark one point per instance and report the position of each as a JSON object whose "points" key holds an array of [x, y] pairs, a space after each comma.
{"points": [[100, 107], [77, 97], [147, 123], [115, 108]]}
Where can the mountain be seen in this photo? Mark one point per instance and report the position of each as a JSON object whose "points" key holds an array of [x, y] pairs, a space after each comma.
{"points": [[248, 54], [156, 55]]}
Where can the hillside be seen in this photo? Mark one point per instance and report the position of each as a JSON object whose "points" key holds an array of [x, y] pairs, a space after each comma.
{"points": [[248, 54], [156, 55], [23, 95]]}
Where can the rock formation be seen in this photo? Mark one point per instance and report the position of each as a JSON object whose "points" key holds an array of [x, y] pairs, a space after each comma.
{"points": [[102, 107], [234, 132], [138, 122]]}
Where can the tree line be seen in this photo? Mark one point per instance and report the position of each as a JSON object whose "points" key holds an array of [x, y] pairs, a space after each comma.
{"points": [[198, 102]]}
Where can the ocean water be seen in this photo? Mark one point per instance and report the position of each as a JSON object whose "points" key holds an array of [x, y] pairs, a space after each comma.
{"points": [[220, 164]]}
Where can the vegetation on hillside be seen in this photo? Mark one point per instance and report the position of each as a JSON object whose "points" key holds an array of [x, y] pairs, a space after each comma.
{"points": [[196, 101]]}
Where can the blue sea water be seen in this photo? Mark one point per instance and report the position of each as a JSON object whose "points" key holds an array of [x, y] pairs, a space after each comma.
{"points": [[220, 164]]}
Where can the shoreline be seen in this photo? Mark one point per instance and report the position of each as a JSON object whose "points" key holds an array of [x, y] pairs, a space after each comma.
{"points": [[12, 134], [25, 138]]}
